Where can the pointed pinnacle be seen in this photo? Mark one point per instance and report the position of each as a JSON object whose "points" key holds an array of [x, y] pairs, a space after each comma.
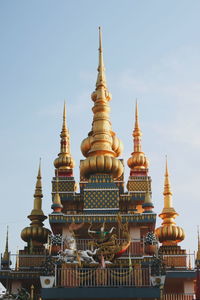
{"points": [[167, 186], [136, 115], [64, 117], [101, 78]]}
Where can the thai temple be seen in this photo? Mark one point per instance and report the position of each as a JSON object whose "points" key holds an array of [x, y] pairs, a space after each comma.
{"points": [[103, 242]]}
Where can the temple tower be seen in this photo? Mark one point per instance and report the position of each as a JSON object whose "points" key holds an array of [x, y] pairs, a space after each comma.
{"points": [[5, 260]]}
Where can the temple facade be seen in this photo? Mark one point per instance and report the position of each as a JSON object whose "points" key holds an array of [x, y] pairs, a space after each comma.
{"points": [[103, 242]]}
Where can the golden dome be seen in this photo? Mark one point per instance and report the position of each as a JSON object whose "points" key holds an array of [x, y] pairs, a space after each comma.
{"points": [[101, 164], [138, 161], [169, 233], [38, 234], [64, 159], [102, 146]]}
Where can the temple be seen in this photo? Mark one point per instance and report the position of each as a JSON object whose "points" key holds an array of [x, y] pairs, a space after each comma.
{"points": [[103, 242]]}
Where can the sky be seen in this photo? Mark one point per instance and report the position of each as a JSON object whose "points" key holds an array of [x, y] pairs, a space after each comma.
{"points": [[49, 53]]}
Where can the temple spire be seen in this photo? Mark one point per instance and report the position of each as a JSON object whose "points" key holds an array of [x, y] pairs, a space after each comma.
{"points": [[167, 188], [5, 261], [102, 147], [101, 77], [138, 162], [198, 251], [169, 233], [64, 162], [37, 207], [6, 252], [36, 235]]}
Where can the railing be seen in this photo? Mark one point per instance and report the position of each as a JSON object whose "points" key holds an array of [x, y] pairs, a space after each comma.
{"points": [[109, 277], [186, 261], [136, 247], [25, 262], [189, 296]]}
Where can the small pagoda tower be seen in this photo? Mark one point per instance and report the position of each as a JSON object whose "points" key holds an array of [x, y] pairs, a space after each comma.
{"points": [[36, 235], [5, 260], [169, 234], [139, 183], [63, 184], [101, 148]]}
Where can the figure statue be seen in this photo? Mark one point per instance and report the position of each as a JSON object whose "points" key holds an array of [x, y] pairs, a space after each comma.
{"points": [[102, 234]]}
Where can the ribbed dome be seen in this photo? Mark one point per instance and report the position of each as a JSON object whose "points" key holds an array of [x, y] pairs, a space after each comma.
{"points": [[101, 164], [138, 161], [38, 234], [169, 235], [64, 161]]}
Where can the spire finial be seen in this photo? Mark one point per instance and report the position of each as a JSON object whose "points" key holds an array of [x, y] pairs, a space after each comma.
{"points": [[64, 127], [136, 115], [38, 189], [64, 160], [138, 162], [167, 187], [6, 259], [101, 78]]}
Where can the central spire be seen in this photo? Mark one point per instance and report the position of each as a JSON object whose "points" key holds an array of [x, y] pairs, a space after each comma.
{"points": [[101, 147]]}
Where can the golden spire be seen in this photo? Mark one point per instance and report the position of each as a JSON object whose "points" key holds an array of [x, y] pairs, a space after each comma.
{"points": [[6, 252], [37, 208], [198, 251], [101, 77], [169, 233], [64, 159], [137, 161], [35, 234], [101, 147]]}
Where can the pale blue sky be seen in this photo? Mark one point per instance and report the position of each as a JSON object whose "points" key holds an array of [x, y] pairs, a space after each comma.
{"points": [[48, 53]]}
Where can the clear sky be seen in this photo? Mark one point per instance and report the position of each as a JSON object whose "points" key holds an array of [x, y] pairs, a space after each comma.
{"points": [[48, 53]]}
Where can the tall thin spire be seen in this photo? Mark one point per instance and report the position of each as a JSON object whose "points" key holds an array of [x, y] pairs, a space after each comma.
{"points": [[64, 161], [6, 252], [198, 251], [37, 208], [101, 77], [167, 188], [138, 162]]}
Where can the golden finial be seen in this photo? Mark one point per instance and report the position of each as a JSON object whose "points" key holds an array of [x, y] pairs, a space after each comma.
{"points": [[64, 160], [138, 161], [6, 252], [37, 208], [169, 233], [198, 251], [102, 146], [101, 78]]}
